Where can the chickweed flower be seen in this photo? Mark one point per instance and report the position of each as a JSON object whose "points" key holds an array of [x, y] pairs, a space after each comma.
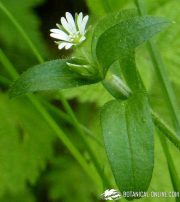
{"points": [[71, 32]]}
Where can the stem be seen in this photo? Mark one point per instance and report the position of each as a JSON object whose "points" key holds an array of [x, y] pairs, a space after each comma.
{"points": [[40, 59], [22, 32], [171, 100], [61, 135], [65, 117], [170, 134], [172, 170], [9, 67], [165, 129], [79, 129], [162, 73], [77, 155]]}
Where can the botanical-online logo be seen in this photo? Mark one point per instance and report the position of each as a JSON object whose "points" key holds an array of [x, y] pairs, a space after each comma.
{"points": [[111, 194]]}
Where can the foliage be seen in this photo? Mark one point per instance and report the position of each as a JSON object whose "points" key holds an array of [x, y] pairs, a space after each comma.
{"points": [[25, 145], [53, 75], [34, 164], [65, 171], [131, 161]]}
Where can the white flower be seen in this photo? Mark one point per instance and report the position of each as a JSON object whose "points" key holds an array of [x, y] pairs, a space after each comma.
{"points": [[71, 32], [111, 194]]}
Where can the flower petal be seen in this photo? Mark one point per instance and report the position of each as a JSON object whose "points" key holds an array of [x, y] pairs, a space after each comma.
{"points": [[68, 45], [83, 25], [62, 45], [71, 21], [82, 39], [66, 26], [79, 20], [58, 31], [60, 36]]}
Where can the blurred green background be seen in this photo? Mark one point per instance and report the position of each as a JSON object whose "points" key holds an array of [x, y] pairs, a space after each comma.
{"points": [[34, 165]]}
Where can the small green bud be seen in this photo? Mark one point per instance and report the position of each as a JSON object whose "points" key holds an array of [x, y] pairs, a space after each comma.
{"points": [[82, 67], [116, 87]]}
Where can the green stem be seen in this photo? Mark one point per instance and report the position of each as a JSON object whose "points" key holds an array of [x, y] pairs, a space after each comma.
{"points": [[77, 155], [27, 39], [172, 170], [79, 129], [65, 117], [9, 67], [162, 74], [171, 100], [22, 32], [170, 134], [62, 136]]}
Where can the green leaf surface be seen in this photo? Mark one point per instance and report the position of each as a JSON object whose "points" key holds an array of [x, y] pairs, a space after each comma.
{"points": [[125, 36], [128, 135], [52, 75], [109, 21], [26, 144]]}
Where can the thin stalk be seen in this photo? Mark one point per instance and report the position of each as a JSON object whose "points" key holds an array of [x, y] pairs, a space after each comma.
{"points": [[9, 67], [30, 43], [73, 150], [68, 119], [171, 101], [81, 132], [172, 170], [22, 32], [165, 130], [162, 73]]}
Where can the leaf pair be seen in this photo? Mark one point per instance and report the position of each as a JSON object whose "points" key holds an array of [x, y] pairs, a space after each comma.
{"points": [[122, 30], [127, 125]]}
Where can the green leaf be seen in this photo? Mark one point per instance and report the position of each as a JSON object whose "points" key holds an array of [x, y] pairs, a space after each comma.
{"points": [[52, 75], [109, 21], [26, 144], [128, 135], [125, 36]]}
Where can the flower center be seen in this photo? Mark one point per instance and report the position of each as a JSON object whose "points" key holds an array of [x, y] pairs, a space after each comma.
{"points": [[75, 37]]}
